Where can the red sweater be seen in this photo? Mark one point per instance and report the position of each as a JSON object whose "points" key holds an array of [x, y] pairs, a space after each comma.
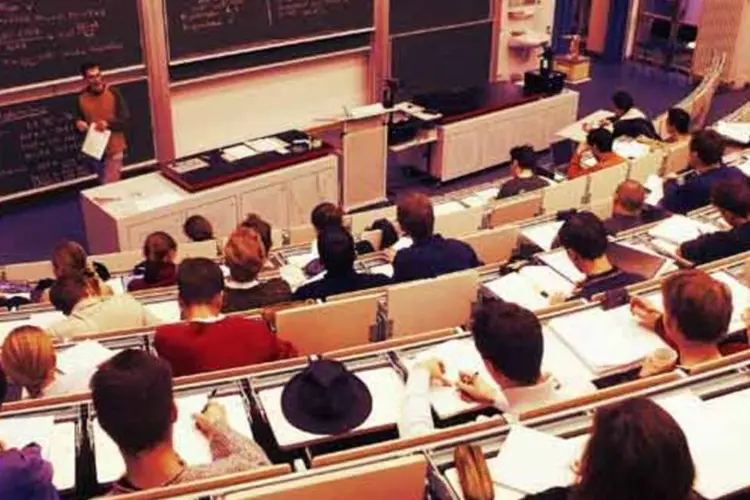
{"points": [[195, 347]]}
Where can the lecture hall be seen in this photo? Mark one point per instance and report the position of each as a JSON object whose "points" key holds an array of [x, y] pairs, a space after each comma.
{"points": [[375, 249]]}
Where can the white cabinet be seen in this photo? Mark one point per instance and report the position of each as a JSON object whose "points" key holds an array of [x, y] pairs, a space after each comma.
{"points": [[484, 141]]}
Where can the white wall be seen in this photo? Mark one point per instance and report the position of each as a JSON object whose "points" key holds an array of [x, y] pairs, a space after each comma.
{"points": [[215, 113]]}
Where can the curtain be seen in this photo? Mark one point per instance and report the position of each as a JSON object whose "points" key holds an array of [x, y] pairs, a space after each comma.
{"points": [[565, 14], [617, 26]]}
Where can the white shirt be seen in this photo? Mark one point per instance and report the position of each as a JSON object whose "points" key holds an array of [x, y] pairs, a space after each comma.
{"points": [[416, 413]]}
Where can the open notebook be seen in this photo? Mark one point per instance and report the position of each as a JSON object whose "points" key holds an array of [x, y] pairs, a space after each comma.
{"points": [[678, 229], [189, 442], [457, 356], [531, 287], [606, 341], [57, 440], [531, 461], [718, 438]]}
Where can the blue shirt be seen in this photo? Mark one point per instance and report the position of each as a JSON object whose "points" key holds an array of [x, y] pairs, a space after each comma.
{"points": [[694, 190], [432, 257], [611, 280], [715, 246], [334, 284]]}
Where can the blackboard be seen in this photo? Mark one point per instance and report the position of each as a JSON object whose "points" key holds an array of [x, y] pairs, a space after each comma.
{"points": [[415, 15], [48, 39], [39, 145], [200, 27], [451, 59]]}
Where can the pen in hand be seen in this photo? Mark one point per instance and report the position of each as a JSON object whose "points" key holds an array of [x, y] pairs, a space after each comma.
{"points": [[211, 396]]}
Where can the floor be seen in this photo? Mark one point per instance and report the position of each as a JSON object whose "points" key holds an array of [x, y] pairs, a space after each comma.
{"points": [[28, 230]]}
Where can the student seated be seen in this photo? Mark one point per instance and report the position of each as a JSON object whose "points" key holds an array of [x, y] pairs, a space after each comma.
{"points": [[159, 269], [636, 451], [509, 338], [630, 121], [245, 255], [599, 145], [23, 472], [733, 201], [68, 257], [207, 340], [132, 395], [260, 226], [678, 126], [431, 255], [630, 210], [324, 216], [87, 312], [522, 168], [388, 233], [198, 228], [693, 190], [337, 255], [29, 360], [697, 314], [584, 239]]}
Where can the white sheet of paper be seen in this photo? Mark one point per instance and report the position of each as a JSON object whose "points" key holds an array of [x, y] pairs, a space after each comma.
{"points": [[560, 262], [239, 152], [386, 388], [62, 455], [736, 131], [117, 286], [386, 269], [85, 356], [17, 432], [168, 311], [457, 356], [740, 299], [480, 198], [95, 143], [630, 148], [532, 461], [655, 185], [542, 235], [267, 144], [301, 260], [678, 229], [606, 341], [548, 280], [189, 443], [575, 131], [448, 208]]}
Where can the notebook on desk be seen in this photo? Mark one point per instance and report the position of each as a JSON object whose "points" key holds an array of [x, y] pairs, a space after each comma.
{"points": [[678, 229], [57, 441], [531, 287], [607, 342], [543, 234], [386, 388], [189, 442]]}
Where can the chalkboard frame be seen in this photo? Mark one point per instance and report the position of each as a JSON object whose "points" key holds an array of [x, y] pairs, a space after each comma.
{"points": [[269, 44]]}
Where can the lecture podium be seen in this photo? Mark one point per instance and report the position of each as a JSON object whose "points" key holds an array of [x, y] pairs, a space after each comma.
{"points": [[281, 187]]}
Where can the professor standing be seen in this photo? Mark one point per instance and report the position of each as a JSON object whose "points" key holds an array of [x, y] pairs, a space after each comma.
{"points": [[103, 107]]}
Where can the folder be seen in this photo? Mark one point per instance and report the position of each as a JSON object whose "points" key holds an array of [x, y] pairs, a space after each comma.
{"points": [[607, 342], [386, 388], [189, 442]]}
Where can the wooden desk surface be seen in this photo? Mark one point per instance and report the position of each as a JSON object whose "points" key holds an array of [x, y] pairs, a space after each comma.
{"points": [[457, 106]]}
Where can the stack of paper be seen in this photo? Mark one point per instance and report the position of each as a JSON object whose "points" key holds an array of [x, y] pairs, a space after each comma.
{"points": [[607, 341], [189, 442], [678, 229], [531, 461], [542, 235], [95, 143], [560, 262], [457, 356], [189, 165], [84, 357], [239, 152]]}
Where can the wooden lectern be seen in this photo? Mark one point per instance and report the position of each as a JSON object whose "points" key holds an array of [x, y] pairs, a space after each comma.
{"points": [[362, 170]]}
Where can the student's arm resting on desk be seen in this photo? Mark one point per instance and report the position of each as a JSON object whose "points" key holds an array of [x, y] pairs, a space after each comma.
{"points": [[230, 450], [416, 412], [707, 248]]}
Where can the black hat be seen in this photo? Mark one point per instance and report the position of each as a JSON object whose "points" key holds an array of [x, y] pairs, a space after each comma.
{"points": [[326, 399]]}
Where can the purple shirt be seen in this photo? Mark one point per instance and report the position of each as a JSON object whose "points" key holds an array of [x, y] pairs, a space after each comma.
{"points": [[25, 474]]}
